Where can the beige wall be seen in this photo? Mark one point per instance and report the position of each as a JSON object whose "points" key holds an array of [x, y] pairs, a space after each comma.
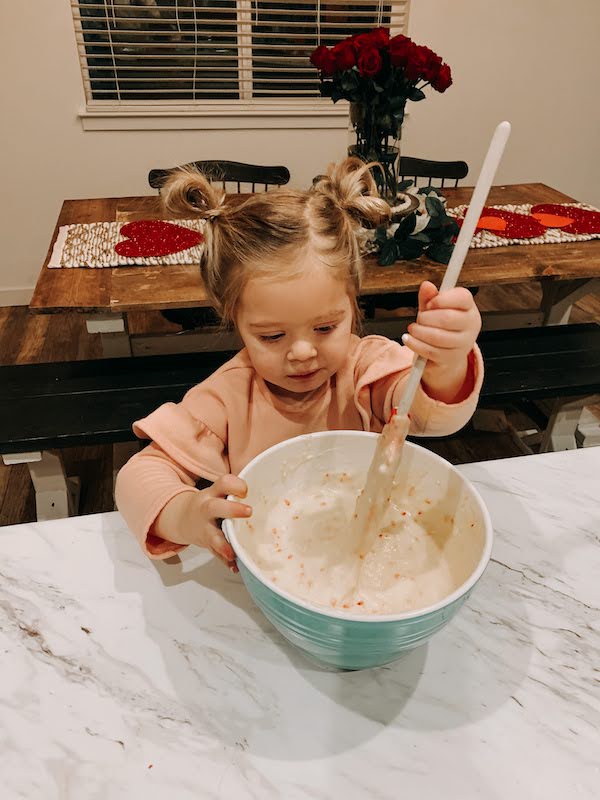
{"points": [[533, 62]]}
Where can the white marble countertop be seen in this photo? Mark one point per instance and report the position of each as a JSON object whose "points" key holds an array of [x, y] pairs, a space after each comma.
{"points": [[126, 678]]}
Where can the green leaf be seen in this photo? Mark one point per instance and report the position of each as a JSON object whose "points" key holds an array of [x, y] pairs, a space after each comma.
{"points": [[452, 227], [434, 224], [434, 206], [388, 253], [410, 248], [406, 227], [404, 185], [349, 80], [440, 252], [381, 236], [416, 95]]}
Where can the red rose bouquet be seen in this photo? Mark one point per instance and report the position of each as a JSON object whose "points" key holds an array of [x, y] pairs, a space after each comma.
{"points": [[378, 74]]}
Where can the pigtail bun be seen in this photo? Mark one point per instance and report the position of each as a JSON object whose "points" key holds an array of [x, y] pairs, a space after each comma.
{"points": [[188, 191], [351, 186]]}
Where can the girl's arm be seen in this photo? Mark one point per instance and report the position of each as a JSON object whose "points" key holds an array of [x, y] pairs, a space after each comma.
{"points": [[159, 501]]}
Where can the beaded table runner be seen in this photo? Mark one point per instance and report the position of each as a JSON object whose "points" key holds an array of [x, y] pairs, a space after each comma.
{"points": [[157, 242], [121, 244], [543, 223]]}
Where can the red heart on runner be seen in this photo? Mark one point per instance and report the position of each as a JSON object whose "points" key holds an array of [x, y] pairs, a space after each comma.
{"points": [[152, 237], [516, 226], [553, 220], [508, 224], [583, 220]]}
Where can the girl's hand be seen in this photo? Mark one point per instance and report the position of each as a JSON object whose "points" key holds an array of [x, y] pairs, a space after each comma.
{"points": [[193, 517], [444, 333]]}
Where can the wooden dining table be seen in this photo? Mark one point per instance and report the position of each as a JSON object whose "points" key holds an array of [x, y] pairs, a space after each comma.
{"points": [[566, 272]]}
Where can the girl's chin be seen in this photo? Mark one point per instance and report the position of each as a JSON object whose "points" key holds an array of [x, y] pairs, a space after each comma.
{"points": [[300, 385]]}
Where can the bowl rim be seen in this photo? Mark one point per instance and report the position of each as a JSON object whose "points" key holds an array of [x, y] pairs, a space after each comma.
{"points": [[466, 586]]}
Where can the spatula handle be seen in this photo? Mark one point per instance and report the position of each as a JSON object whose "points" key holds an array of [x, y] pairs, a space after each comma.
{"points": [[461, 248]]}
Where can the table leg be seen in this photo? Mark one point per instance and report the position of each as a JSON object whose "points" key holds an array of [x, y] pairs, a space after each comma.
{"points": [[558, 298], [56, 496], [114, 334]]}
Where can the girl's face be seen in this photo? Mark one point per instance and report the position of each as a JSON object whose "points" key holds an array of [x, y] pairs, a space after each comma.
{"points": [[297, 330]]}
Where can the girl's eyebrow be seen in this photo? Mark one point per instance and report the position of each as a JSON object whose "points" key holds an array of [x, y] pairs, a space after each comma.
{"points": [[322, 318]]}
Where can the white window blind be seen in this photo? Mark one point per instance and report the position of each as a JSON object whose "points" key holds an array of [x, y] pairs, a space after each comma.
{"points": [[163, 52]]}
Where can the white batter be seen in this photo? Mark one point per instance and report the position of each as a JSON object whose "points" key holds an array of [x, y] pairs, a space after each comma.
{"points": [[307, 544]]}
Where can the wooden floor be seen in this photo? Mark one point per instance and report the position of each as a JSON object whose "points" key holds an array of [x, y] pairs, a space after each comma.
{"points": [[28, 338]]}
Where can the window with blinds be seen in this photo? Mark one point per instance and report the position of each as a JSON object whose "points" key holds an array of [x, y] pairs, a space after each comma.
{"points": [[185, 51]]}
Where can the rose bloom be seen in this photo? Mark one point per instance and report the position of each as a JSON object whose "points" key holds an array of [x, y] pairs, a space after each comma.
{"points": [[380, 37], [432, 68], [343, 55], [417, 62], [443, 79], [323, 60], [369, 62], [399, 49]]}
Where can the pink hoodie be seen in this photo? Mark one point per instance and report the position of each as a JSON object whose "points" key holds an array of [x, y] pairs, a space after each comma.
{"points": [[228, 419]]}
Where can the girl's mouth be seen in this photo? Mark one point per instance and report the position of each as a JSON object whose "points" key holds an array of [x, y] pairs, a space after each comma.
{"points": [[304, 376]]}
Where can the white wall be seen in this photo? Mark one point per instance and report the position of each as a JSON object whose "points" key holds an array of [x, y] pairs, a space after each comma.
{"points": [[533, 62]]}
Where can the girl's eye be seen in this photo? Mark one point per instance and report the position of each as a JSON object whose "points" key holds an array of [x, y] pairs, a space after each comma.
{"points": [[273, 338], [325, 328]]}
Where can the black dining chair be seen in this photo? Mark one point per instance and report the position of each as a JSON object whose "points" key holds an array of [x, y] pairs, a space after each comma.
{"points": [[233, 176], [420, 169], [422, 172], [244, 176]]}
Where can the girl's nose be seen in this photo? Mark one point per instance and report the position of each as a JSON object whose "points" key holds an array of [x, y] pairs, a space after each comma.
{"points": [[301, 350]]}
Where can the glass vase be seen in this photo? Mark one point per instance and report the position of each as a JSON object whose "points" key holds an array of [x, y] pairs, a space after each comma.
{"points": [[371, 145]]}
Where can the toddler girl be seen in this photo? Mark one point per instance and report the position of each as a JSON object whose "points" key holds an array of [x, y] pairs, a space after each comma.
{"points": [[284, 267]]}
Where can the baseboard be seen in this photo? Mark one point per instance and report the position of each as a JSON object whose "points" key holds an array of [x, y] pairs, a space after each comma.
{"points": [[16, 296]]}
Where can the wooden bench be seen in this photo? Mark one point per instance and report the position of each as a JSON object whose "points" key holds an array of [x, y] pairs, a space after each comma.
{"points": [[46, 407]]}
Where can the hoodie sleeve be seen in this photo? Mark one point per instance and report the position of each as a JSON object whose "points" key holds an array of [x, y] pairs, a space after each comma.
{"points": [[381, 371], [183, 449]]}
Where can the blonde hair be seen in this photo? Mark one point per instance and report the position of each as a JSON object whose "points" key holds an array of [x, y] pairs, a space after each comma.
{"points": [[263, 234]]}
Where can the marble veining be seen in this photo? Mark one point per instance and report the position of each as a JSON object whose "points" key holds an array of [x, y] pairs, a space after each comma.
{"points": [[126, 678]]}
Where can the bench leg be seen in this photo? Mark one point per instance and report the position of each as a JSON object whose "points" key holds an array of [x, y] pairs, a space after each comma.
{"points": [[562, 426], [56, 496], [114, 334]]}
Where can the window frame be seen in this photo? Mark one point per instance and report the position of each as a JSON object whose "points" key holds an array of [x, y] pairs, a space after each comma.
{"points": [[312, 113]]}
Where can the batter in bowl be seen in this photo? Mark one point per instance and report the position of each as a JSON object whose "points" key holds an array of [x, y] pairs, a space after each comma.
{"points": [[306, 543]]}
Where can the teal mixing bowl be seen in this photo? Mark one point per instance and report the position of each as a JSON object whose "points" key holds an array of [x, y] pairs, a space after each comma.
{"points": [[331, 636]]}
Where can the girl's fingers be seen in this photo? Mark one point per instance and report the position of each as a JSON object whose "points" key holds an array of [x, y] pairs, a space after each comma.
{"points": [[427, 292], [229, 484], [459, 298], [448, 318], [219, 508], [420, 348], [436, 337], [221, 548]]}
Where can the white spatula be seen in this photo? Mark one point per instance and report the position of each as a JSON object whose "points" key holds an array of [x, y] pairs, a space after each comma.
{"points": [[374, 498]]}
